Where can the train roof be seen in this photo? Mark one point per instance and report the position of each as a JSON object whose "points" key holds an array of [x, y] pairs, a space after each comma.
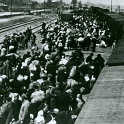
{"points": [[113, 15], [67, 12], [100, 9], [116, 17]]}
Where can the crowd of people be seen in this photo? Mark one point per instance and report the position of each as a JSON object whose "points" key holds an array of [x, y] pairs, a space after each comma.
{"points": [[43, 86]]}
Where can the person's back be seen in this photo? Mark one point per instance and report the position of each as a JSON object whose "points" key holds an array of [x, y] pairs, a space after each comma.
{"points": [[89, 59], [100, 61], [14, 110], [4, 110], [63, 101]]}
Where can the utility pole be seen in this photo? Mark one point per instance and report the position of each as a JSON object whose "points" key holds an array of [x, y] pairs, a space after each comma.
{"points": [[44, 6], [111, 5], [119, 8], [11, 7]]}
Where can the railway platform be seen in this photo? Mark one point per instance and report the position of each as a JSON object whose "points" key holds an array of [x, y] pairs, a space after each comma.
{"points": [[105, 102]]}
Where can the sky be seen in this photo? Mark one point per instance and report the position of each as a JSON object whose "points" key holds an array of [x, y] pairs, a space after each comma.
{"points": [[108, 2]]}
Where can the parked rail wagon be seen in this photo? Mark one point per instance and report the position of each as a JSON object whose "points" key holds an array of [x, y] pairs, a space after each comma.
{"points": [[66, 16], [114, 21]]}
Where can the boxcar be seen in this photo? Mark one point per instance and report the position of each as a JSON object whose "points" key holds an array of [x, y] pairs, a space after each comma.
{"points": [[66, 16]]}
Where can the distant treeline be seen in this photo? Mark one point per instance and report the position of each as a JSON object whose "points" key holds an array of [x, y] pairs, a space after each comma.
{"points": [[17, 2]]}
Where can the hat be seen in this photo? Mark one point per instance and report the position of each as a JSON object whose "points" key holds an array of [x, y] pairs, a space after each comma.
{"points": [[63, 61], [24, 96], [27, 60], [33, 48], [35, 62], [23, 64], [40, 81], [43, 75], [55, 111], [25, 77], [11, 47], [79, 34], [35, 86], [4, 77], [49, 75], [88, 34], [40, 113], [99, 55], [47, 56], [32, 67], [1, 80], [11, 80], [20, 78]]}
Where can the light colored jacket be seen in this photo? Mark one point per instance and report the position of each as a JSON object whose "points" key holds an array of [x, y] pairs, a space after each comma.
{"points": [[24, 110]]}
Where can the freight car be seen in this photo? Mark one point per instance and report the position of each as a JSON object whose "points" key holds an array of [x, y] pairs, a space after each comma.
{"points": [[105, 102], [114, 21], [66, 15]]}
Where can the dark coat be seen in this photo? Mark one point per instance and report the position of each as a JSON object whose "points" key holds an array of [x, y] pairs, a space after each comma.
{"points": [[14, 111], [63, 101]]}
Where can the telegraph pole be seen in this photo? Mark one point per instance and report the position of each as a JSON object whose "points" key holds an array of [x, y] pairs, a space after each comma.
{"points": [[119, 8], [111, 5], [44, 6], [11, 7]]}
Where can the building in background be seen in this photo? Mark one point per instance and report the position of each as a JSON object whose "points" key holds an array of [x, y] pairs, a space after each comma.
{"points": [[3, 7]]}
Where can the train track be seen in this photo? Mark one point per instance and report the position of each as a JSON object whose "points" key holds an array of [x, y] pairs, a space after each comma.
{"points": [[38, 28], [7, 28], [20, 27]]}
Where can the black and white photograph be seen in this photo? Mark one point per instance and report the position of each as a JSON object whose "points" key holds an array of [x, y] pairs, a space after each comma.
{"points": [[61, 61]]}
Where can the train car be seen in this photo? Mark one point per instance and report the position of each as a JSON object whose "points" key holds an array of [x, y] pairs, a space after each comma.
{"points": [[105, 102], [66, 16], [114, 21]]}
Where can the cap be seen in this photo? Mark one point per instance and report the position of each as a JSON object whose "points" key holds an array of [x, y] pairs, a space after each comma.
{"points": [[55, 111], [47, 56], [24, 96], [40, 113]]}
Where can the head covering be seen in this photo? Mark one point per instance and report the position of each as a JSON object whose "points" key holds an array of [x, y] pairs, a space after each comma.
{"points": [[23, 64], [40, 113], [99, 55], [11, 47], [35, 86], [43, 75], [55, 111], [32, 67], [39, 119], [4, 77], [47, 56], [20, 78], [24, 96], [40, 81], [27, 60], [1, 80]]}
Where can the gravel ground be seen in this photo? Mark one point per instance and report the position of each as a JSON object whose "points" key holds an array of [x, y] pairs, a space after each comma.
{"points": [[22, 28], [15, 20]]}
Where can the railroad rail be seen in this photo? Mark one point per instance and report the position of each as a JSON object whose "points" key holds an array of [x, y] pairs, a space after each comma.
{"points": [[22, 24], [18, 25], [35, 24], [38, 28]]}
